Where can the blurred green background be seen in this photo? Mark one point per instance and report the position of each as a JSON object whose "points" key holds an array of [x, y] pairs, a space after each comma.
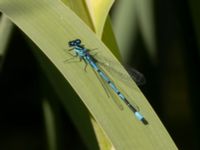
{"points": [[163, 44]]}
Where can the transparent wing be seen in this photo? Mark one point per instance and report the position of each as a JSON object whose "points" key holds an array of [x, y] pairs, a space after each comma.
{"points": [[109, 93], [134, 74], [114, 96], [137, 76]]}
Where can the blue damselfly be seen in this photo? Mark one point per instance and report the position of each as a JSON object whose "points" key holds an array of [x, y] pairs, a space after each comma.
{"points": [[85, 55]]}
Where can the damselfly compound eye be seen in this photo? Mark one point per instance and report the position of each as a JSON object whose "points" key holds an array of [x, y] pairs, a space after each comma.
{"points": [[78, 41], [71, 43]]}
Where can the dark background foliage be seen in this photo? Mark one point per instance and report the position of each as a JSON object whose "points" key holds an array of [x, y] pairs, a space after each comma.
{"points": [[172, 82]]}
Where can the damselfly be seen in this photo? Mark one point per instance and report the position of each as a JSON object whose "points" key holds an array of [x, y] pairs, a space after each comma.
{"points": [[85, 55]]}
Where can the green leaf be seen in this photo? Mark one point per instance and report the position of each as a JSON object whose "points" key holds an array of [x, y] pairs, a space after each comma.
{"points": [[50, 25]]}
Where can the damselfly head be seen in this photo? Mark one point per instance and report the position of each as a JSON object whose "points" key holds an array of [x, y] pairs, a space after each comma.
{"points": [[74, 42]]}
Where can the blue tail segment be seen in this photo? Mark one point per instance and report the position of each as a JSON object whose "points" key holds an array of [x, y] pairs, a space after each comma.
{"points": [[83, 54]]}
